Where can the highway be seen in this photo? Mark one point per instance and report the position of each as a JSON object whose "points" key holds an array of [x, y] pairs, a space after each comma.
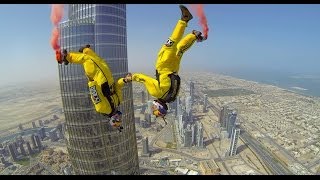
{"points": [[274, 166]]}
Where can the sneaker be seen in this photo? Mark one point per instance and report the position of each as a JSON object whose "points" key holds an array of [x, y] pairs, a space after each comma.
{"points": [[128, 78], [185, 13], [199, 36]]}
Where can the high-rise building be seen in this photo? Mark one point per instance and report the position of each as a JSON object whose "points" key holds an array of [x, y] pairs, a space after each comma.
{"points": [[188, 136], [143, 97], [231, 121], [192, 91], [225, 110], [3, 161], [38, 141], [205, 102], [53, 135], [94, 146], [30, 151], [40, 123], [22, 150], [34, 124], [149, 109], [145, 145], [188, 105], [42, 132], [199, 134], [234, 141], [33, 141], [12, 152], [20, 127]]}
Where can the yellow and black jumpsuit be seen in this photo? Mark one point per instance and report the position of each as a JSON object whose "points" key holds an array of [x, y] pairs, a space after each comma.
{"points": [[168, 62], [106, 94]]}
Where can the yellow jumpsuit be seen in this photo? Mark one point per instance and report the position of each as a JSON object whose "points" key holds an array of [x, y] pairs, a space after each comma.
{"points": [[168, 61], [98, 72]]}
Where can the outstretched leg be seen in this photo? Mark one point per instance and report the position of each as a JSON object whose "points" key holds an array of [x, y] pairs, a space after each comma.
{"points": [[188, 41], [180, 27], [167, 58], [151, 84]]}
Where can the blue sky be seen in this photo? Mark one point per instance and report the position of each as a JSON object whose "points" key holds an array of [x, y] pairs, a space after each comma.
{"points": [[242, 36]]}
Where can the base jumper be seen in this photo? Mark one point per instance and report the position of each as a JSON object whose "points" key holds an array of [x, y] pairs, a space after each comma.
{"points": [[106, 94], [165, 87]]}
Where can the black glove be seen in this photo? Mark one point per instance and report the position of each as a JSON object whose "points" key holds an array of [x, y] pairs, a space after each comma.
{"points": [[64, 57], [82, 48]]}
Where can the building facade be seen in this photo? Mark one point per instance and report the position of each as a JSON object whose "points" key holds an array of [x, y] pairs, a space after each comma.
{"points": [[94, 146]]}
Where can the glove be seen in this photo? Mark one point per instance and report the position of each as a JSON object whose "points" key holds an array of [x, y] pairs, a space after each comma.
{"points": [[82, 48], [62, 57], [65, 53]]}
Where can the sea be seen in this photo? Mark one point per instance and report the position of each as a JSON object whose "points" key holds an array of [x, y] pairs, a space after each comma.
{"points": [[302, 83]]}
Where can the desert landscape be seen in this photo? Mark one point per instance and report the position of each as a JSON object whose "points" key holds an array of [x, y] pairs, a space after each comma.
{"points": [[28, 102]]}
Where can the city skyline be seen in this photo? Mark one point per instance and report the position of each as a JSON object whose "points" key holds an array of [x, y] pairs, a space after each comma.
{"points": [[241, 36], [219, 124]]}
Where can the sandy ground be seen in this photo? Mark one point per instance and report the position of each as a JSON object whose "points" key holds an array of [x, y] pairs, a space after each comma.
{"points": [[25, 103]]}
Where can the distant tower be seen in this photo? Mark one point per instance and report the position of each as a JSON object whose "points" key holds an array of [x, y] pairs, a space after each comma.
{"points": [[38, 141], [33, 141], [23, 151], [33, 124], [3, 161], [231, 121], [12, 152], [199, 134], [223, 118], [147, 117], [60, 131], [188, 105], [188, 135], [40, 123], [205, 103], [42, 133], [149, 109], [143, 97], [145, 145], [179, 109], [20, 127], [234, 141], [53, 135], [192, 91], [29, 148]]}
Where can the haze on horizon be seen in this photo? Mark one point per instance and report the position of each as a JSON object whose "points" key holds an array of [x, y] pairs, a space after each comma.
{"points": [[242, 37]]}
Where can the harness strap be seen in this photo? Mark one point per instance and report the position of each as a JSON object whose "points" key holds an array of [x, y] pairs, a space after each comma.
{"points": [[174, 88], [106, 91]]}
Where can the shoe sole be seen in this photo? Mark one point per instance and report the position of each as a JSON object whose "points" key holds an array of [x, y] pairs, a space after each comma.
{"points": [[185, 12]]}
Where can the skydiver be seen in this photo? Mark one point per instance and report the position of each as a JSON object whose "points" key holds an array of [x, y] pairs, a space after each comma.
{"points": [[106, 94], [166, 86]]}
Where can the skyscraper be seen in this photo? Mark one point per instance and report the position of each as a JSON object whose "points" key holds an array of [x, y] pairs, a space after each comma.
{"points": [[94, 146], [191, 91], [231, 122], [143, 97], [234, 141], [145, 149], [205, 103]]}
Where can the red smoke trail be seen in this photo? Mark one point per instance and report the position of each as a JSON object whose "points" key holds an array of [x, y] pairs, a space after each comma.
{"points": [[56, 16], [202, 18]]}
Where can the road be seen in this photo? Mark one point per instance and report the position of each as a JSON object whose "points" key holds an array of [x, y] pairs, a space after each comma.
{"points": [[267, 157]]}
